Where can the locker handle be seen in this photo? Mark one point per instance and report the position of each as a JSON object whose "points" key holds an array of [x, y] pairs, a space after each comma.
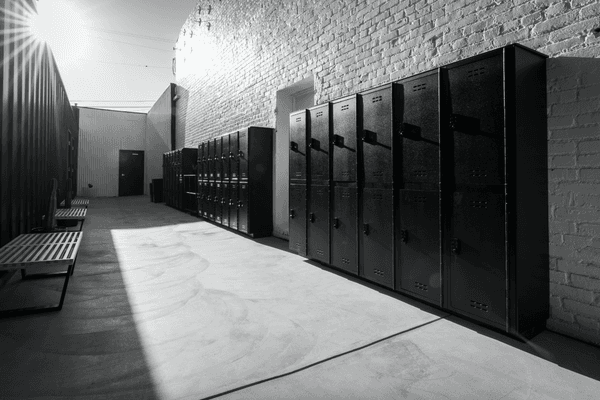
{"points": [[240, 204], [336, 223], [231, 202], [231, 155], [404, 236], [292, 213], [314, 144], [455, 246], [410, 131], [369, 136], [338, 140], [293, 146], [366, 229], [222, 201], [241, 154], [312, 217]]}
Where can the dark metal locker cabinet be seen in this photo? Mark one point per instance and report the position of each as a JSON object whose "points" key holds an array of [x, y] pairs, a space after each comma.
{"points": [[233, 205], [318, 224], [476, 247], [233, 155], [225, 158], [243, 207], [376, 237], [217, 200], [210, 145], [211, 200], [344, 139], [243, 154], [319, 143], [418, 247], [298, 149], [418, 110], [201, 163], [379, 122], [225, 204], [218, 157], [205, 199], [298, 218], [200, 198], [344, 242], [474, 104]]}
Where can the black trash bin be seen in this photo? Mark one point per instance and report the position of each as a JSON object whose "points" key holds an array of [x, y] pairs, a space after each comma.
{"points": [[157, 190]]}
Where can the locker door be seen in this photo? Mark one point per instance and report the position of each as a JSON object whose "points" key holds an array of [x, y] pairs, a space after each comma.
{"points": [[200, 161], [298, 146], [343, 229], [217, 200], [243, 207], [418, 266], [210, 159], [200, 198], [243, 154], [476, 109], [211, 201], [205, 161], [233, 208], [318, 223], [419, 112], [319, 143], [377, 135], [205, 199], [218, 158], [298, 218], [225, 158], [344, 140], [233, 155], [225, 204], [377, 236], [477, 278]]}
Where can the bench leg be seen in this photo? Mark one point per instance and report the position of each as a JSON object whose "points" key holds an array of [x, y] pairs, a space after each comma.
{"points": [[40, 309], [26, 276]]}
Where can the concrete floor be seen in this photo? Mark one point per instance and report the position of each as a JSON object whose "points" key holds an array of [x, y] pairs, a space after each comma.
{"points": [[163, 305]]}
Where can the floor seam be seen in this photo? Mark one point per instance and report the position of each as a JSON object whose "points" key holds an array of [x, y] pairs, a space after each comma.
{"points": [[214, 396]]}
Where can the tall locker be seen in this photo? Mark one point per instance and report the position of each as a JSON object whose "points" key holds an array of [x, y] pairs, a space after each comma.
{"points": [[346, 124], [200, 197], [298, 182], [200, 162], [233, 205], [210, 203], [225, 204], [318, 223], [418, 236], [218, 157], [494, 194], [210, 159], [233, 156], [225, 158], [218, 198], [344, 241], [298, 149], [298, 218]]}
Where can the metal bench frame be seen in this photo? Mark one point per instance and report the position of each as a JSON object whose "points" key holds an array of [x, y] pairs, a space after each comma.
{"points": [[77, 214], [77, 203]]}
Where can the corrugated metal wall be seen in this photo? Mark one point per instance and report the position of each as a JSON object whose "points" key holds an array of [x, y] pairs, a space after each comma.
{"points": [[158, 133], [102, 133], [36, 120]]}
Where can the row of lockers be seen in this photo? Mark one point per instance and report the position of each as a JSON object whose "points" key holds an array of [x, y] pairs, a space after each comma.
{"points": [[179, 178], [434, 186], [225, 157]]}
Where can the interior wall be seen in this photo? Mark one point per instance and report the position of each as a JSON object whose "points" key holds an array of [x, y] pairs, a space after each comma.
{"points": [[158, 134]]}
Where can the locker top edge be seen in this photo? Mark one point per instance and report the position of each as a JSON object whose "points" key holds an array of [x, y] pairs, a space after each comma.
{"points": [[378, 88], [346, 98], [299, 112], [418, 76], [319, 106]]}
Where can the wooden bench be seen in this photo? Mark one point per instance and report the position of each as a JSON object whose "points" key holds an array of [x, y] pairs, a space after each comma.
{"points": [[34, 250], [71, 214], [77, 203]]}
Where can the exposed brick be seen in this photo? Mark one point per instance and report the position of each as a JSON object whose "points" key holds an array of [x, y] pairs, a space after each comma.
{"points": [[579, 308], [556, 147], [576, 267], [589, 146], [590, 92], [561, 314], [593, 10], [590, 174], [558, 277], [589, 229], [585, 282], [588, 323], [561, 174], [589, 160], [562, 227]]}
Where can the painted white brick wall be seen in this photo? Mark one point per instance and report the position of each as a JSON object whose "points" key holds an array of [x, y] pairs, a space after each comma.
{"points": [[228, 77]]}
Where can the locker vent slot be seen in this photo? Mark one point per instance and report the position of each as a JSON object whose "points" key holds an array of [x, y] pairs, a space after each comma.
{"points": [[421, 286], [378, 272], [417, 199], [377, 196], [478, 204], [480, 306], [475, 72], [299, 119], [378, 174], [346, 174], [319, 114], [377, 99], [345, 261], [417, 88], [420, 173], [478, 173], [345, 107], [320, 252], [346, 195]]}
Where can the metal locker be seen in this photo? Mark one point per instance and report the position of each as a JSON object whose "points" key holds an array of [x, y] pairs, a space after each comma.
{"points": [[200, 196], [201, 163], [298, 149], [243, 207], [475, 105], [233, 205], [418, 243], [225, 158], [233, 155], [298, 218], [418, 110], [205, 161], [218, 157], [205, 199], [344, 248], [243, 154], [376, 237], [319, 143], [210, 145], [318, 223], [476, 248], [225, 204], [217, 200], [344, 149], [211, 201], [376, 135]]}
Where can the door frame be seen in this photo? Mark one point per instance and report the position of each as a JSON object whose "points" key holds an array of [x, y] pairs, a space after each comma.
{"points": [[143, 170]]}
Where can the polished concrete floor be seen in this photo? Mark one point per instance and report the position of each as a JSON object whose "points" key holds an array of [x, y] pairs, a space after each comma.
{"points": [[163, 305]]}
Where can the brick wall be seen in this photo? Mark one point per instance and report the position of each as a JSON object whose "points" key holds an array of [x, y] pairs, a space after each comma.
{"points": [[228, 77]]}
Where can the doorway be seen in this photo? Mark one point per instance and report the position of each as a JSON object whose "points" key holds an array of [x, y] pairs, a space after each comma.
{"points": [[131, 172]]}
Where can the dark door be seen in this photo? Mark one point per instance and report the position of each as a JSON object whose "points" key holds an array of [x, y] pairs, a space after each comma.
{"points": [[298, 218], [318, 223], [233, 208], [210, 159], [131, 172], [377, 236], [419, 131], [225, 204], [243, 207], [419, 259], [377, 134], [477, 278], [233, 155], [298, 146], [319, 143], [217, 200], [476, 108], [344, 140], [243, 154], [225, 158], [218, 158], [344, 249]]}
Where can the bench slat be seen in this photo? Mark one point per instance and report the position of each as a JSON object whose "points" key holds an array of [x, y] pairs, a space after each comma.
{"points": [[58, 248]]}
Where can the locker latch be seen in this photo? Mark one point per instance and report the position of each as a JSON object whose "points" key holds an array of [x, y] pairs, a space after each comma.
{"points": [[404, 236], [314, 144], [240, 204], [293, 146], [455, 246], [241, 154], [311, 217], [369, 136], [336, 223], [231, 155], [338, 140], [366, 229], [410, 131], [292, 213]]}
